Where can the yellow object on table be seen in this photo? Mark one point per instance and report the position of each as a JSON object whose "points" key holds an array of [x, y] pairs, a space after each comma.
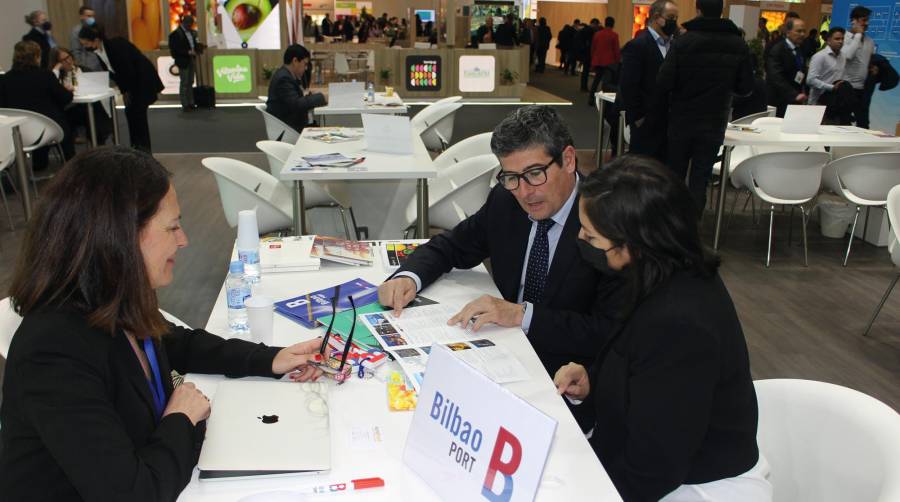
{"points": [[400, 397]]}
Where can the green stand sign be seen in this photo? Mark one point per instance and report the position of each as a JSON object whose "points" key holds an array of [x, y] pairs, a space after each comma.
{"points": [[232, 74]]}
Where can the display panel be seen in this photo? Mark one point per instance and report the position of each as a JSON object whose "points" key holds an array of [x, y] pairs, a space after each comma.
{"points": [[425, 15], [481, 10], [423, 73], [477, 73], [232, 74], [242, 24]]}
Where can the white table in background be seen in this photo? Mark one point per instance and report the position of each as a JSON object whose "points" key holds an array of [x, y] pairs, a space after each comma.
{"points": [[97, 97], [603, 98], [572, 472], [21, 172], [383, 104], [378, 166], [771, 135]]}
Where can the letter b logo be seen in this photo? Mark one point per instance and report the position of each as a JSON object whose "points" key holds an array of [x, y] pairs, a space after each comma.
{"points": [[507, 469]]}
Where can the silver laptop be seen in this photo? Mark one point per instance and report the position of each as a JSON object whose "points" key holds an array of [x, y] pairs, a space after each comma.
{"points": [[265, 428], [802, 119]]}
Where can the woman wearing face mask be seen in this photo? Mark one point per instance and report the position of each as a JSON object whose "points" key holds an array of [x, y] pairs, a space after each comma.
{"points": [[676, 411], [40, 34]]}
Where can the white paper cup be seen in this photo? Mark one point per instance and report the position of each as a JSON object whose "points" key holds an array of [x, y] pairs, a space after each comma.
{"points": [[261, 317], [248, 230]]}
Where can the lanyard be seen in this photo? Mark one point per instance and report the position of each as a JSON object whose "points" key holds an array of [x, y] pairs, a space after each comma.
{"points": [[156, 388]]}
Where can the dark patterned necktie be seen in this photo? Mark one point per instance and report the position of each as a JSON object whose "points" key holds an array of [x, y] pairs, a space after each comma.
{"points": [[538, 261]]}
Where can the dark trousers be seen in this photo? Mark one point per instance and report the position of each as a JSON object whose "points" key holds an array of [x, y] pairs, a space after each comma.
{"points": [[699, 154], [186, 86], [585, 73], [571, 62], [138, 125], [77, 116], [541, 59], [649, 139], [563, 62], [861, 109], [601, 74]]}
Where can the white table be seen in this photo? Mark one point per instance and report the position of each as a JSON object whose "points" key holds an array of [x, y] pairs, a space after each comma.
{"points": [[21, 172], [378, 166], [97, 97], [603, 98], [383, 104], [771, 135], [572, 471]]}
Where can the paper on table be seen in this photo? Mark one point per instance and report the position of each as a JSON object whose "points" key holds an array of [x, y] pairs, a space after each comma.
{"points": [[388, 133], [802, 119], [346, 94]]}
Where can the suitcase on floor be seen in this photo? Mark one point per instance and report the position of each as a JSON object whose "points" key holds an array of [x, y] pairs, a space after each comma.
{"points": [[205, 96]]}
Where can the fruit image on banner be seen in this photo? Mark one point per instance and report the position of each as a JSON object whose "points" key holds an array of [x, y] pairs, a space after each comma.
{"points": [[423, 73], [251, 24]]}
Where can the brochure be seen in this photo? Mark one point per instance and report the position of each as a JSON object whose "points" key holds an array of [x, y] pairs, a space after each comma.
{"points": [[343, 251], [395, 253], [308, 308], [328, 160]]}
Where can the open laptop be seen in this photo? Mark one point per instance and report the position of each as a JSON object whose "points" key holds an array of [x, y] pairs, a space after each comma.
{"points": [[265, 428], [346, 94], [802, 119]]}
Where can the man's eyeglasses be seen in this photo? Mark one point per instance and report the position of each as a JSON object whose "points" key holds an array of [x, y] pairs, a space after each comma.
{"points": [[339, 369], [534, 176]]}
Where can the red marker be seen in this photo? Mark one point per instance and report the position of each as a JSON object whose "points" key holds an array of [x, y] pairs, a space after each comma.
{"points": [[355, 484]]}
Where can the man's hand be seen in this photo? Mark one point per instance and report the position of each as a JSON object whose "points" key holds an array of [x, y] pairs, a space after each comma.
{"points": [[573, 381], [397, 293], [801, 98], [487, 309]]}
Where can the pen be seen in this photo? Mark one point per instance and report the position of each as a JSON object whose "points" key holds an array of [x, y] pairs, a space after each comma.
{"points": [[354, 484]]}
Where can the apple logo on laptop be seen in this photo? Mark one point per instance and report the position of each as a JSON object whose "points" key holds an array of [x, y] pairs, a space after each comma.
{"points": [[268, 419]]}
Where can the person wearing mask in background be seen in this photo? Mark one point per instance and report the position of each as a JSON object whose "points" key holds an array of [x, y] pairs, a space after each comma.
{"points": [[542, 44], [288, 100], [506, 33], [29, 87], [605, 57], [183, 47], [86, 60], [704, 68], [826, 80], [564, 40], [857, 51], [134, 75], [583, 41], [675, 407], [811, 44], [645, 114], [326, 25], [40, 34], [786, 69]]}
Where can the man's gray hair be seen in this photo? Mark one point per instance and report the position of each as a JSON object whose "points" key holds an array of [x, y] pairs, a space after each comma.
{"points": [[32, 16], [657, 8], [531, 126]]}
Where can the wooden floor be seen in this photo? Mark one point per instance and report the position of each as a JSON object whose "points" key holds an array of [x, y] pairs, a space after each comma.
{"points": [[799, 322]]}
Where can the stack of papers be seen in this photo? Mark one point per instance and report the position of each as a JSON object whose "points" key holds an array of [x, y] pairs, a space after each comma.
{"points": [[343, 251], [328, 161], [287, 254], [333, 134]]}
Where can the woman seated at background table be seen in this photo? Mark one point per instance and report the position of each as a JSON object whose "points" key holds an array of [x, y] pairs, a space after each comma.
{"points": [[89, 410], [675, 404], [62, 64], [28, 87]]}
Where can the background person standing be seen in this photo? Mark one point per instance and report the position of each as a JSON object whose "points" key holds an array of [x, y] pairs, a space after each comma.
{"points": [[786, 68], [857, 51], [183, 46], [40, 34], [86, 60]]}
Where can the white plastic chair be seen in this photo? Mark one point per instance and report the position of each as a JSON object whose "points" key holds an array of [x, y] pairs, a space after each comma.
{"points": [[862, 180], [276, 130], [480, 144], [9, 323], [38, 132], [893, 209], [827, 443], [342, 66], [7, 158], [245, 186], [315, 193], [782, 178], [748, 119], [457, 192], [434, 124]]}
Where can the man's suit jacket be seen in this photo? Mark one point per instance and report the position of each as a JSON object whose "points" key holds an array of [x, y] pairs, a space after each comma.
{"points": [[78, 416], [641, 60], [180, 48], [36, 90], [41, 39], [572, 321], [133, 72], [287, 102], [781, 70]]}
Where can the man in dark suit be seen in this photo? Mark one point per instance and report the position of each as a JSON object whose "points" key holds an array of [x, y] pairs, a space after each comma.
{"points": [[506, 33], [288, 101], [645, 112], [583, 39], [183, 46], [133, 74], [528, 228], [326, 26], [704, 68], [40, 34], [786, 68]]}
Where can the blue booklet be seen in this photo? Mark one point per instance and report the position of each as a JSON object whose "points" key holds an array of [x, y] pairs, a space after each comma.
{"points": [[307, 309]]}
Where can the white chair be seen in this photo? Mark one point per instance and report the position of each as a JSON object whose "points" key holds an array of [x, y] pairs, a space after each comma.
{"points": [[342, 66], [276, 130], [38, 132], [434, 124], [827, 443], [862, 180], [450, 99], [893, 209], [9, 323], [7, 158], [748, 119], [315, 193], [457, 192], [245, 186], [782, 178], [480, 144]]}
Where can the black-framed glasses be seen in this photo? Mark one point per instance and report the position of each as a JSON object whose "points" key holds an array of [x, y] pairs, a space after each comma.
{"points": [[337, 368], [534, 176]]}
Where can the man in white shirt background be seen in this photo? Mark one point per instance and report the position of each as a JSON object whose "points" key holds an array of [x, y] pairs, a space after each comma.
{"points": [[857, 51], [827, 85]]}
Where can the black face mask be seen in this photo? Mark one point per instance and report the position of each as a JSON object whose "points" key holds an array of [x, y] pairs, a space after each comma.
{"points": [[670, 28], [595, 257], [47, 26], [90, 49]]}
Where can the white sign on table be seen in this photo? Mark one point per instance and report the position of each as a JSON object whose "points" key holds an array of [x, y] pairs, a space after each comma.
{"points": [[93, 82], [388, 133], [471, 439], [802, 119], [346, 94]]}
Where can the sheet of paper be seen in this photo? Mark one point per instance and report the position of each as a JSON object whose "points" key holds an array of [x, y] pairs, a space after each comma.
{"points": [[346, 94], [388, 133], [802, 119]]}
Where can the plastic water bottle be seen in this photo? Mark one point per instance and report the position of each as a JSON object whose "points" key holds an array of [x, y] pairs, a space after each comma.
{"points": [[237, 289], [248, 245], [370, 92]]}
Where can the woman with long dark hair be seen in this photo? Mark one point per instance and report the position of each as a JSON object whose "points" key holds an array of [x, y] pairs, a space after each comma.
{"points": [[89, 408], [675, 407]]}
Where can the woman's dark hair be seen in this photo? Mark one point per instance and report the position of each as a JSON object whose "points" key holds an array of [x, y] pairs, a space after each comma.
{"points": [[82, 249], [637, 202], [26, 54]]}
